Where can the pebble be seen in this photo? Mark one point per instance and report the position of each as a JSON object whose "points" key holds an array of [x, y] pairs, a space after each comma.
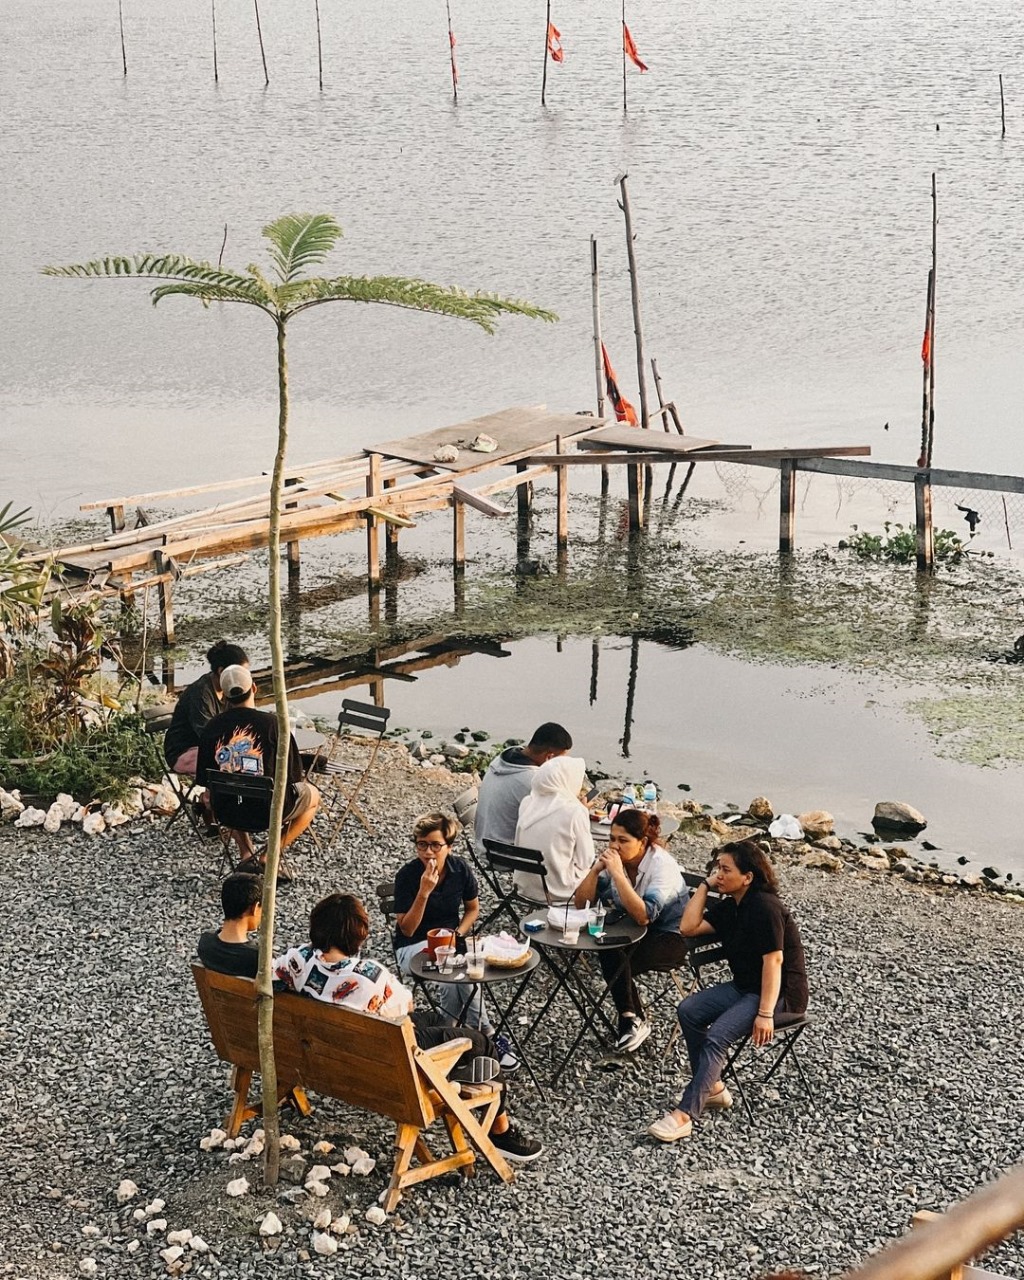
{"points": [[237, 1187], [322, 1220], [87, 1266], [290, 1143], [156, 1225], [126, 1190], [271, 1225], [376, 1215], [324, 1244], [179, 1237], [319, 1189]]}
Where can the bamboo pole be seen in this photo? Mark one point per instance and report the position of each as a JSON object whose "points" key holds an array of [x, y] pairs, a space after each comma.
{"points": [[562, 482], [451, 51], [544, 77], [931, 328], [1002, 105], [373, 489], [319, 46], [633, 473], [216, 80], [120, 23], [1006, 524], [625, 104], [671, 408], [263, 52], [595, 291]]}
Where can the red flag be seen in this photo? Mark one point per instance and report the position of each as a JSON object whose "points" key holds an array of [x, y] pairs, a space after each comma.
{"points": [[926, 346], [624, 411], [555, 43], [455, 70], [630, 48]]}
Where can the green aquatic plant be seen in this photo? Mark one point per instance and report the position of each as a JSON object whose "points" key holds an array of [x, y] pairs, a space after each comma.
{"points": [[899, 544]]}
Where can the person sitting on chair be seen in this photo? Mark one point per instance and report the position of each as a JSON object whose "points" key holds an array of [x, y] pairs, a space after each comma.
{"points": [[330, 968], [197, 706], [438, 890], [554, 819], [636, 875], [229, 950], [244, 740], [762, 945], [508, 780]]}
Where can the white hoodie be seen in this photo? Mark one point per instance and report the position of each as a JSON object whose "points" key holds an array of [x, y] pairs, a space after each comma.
{"points": [[553, 820]]}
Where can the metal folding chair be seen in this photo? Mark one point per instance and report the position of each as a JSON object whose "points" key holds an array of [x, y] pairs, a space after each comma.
{"points": [[240, 802], [369, 723], [186, 791], [502, 861]]}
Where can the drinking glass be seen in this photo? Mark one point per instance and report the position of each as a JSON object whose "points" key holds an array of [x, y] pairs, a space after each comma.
{"points": [[596, 923], [445, 958], [476, 959]]}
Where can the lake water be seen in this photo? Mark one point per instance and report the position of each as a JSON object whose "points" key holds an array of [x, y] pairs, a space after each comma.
{"points": [[779, 159]]}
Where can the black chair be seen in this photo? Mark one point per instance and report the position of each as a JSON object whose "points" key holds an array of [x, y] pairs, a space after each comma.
{"points": [[369, 723], [240, 802], [502, 862]]}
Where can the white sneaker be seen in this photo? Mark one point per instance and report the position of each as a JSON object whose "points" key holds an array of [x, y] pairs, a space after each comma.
{"points": [[633, 1038]]}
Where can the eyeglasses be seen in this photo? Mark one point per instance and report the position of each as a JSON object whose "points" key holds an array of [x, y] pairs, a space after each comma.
{"points": [[429, 846]]}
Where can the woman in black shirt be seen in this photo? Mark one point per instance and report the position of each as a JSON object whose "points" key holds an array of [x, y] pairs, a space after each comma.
{"points": [[764, 951]]}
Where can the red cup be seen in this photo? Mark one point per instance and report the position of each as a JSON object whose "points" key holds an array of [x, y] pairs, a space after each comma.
{"points": [[439, 938]]}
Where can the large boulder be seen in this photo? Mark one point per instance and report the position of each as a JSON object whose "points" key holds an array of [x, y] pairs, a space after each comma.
{"points": [[893, 815], [817, 823], [761, 809]]}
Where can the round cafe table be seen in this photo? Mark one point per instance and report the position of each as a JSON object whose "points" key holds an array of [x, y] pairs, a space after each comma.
{"points": [[424, 970], [585, 985]]}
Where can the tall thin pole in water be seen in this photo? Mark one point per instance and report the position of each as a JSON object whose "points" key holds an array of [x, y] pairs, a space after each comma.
{"points": [[319, 46], [213, 15], [636, 519], [625, 105], [544, 77], [1002, 104], [595, 290], [931, 327], [120, 23], [451, 51], [263, 52]]}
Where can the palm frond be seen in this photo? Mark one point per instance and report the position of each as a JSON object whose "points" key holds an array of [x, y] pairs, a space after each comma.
{"points": [[252, 293], [188, 278], [300, 239], [482, 309]]}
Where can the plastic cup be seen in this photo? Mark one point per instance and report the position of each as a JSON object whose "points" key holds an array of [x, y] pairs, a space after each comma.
{"points": [[595, 925], [445, 959], [571, 934], [476, 959]]}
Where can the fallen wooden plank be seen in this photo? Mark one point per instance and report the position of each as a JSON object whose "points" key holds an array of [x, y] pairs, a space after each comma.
{"points": [[621, 436], [896, 471], [391, 517], [744, 456], [476, 500]]}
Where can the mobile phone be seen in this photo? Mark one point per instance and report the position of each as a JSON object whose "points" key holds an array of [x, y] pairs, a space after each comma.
{"points": [[615, 915], [592, 794], [613, 939]]}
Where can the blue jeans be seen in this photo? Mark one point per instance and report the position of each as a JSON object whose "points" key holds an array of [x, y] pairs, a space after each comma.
{"points": [[712, 1021]]}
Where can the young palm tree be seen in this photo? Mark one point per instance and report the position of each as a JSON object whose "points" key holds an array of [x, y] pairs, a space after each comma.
{"points": [[296, 242]]}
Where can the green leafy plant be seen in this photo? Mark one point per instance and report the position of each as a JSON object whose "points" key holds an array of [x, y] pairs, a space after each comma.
{"points": [[96, 764], [898, 545], [22, 584]]}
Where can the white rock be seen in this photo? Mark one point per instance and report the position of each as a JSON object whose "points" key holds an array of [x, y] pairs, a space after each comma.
{"points": [[161, 800], [229, 1144], [139, 1215], [437, 759], [68, 804], [93, 824], [255, 1145], [171, 1255], [340, 1225], [87, 1266], [323, 1148], [352, 1154], [215, 1138], [237, 1187], [179, 1237], [271, 1225], [78, 814], [198, 1245], [132, 1246], [10, 805], [318, 1173], [154, 1225], [342, 1169], [35, 818], [115, 816], [154, 1206], [322, 1220], [318, 1189], [238, 1157], [133, 804], [324, 1244], [289, 1143], [54, 817], [91, 1231], [126, 1190], [376, 1215], [364, 1166]]}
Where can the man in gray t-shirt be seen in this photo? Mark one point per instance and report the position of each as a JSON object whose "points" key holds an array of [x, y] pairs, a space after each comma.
{"points": [[508, 780]]}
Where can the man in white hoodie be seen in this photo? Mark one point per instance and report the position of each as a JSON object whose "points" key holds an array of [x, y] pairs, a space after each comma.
{"points": [[508, 781]]}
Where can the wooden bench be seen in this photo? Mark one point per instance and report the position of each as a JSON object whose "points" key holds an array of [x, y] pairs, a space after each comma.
{"points": [[361, 1059]]}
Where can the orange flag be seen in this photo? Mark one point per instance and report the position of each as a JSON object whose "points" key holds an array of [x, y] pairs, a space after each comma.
{"points": [[630, 48], [624, 411], [926, 346], [555, 43]]}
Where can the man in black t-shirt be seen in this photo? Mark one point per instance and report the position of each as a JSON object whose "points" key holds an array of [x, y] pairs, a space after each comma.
{"points": [[244, 740], [230, 950]]}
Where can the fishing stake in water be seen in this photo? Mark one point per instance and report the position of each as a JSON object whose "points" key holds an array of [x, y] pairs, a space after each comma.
{"points": [[319, 46], [451, 52], [263, 52], [213, 15], [120, 23]]}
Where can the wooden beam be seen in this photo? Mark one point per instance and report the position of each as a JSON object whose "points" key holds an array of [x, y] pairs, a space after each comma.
{"points": [[787, 505], [458, 535], [830, 466], [473, 498], [373, 489], [923, 520], [562, 503], [391, 518], [651, 454], [166, 597]]}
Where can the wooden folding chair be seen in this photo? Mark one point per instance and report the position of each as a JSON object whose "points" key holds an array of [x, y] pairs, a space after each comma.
{"points": [[369, 723]]}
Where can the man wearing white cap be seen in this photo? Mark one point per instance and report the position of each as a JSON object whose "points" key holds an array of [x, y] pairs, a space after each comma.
{"points": [[244, 740]]}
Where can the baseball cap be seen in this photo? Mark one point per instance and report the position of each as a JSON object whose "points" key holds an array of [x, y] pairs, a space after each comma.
{"points": [[235, 682]]}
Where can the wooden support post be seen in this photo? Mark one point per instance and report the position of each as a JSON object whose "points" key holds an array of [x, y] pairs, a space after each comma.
{"points": [[166, 597], [458, 535], [923, 514], [787, 504], [293, 547], [116, 517], [390, 532], [562, 522], [126, 593], [373, 487], [634, 478]]}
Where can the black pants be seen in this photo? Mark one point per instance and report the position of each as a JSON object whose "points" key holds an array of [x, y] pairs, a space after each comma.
{"points": [[433, 1029], [656, 951]]}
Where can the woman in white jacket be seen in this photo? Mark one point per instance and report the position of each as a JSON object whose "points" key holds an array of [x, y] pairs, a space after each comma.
{"points": [[554, 819]]}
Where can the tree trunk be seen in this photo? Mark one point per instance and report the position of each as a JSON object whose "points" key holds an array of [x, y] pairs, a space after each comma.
{"points": [[264, 976]]}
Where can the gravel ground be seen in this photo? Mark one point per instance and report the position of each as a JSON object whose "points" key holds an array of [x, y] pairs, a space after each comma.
{"points": [[106, 1073]]}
